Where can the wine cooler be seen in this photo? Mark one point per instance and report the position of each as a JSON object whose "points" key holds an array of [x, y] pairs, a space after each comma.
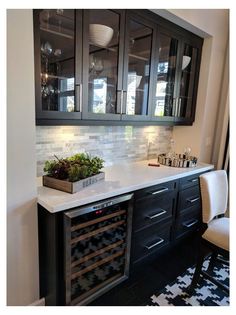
{"points": [[96, 248]]}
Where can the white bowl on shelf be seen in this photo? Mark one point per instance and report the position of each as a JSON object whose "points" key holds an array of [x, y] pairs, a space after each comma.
{"points": [[185, 62], [100, 34]]}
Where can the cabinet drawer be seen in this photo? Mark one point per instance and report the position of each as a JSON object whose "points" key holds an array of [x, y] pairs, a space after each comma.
{"points": [[189, 181], [152, 209], [157, 190], [188, 222], [189, 197], [150, 241]]}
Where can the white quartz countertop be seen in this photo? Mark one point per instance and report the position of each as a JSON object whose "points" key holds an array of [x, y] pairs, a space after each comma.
{"points": [[119, 179]]}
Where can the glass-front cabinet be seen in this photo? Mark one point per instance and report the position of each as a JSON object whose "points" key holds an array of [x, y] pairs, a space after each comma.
{"points": [[185, 104], [176, 78], [138, 72], [103, 63], [58, 63], [166, 76], [113, 65]]}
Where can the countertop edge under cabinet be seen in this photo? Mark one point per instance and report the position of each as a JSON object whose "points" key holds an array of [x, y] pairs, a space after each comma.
{"points": [[119, 179]]}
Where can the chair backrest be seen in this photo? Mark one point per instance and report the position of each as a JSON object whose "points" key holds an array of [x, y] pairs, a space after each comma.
{"points": [[214, 194]]}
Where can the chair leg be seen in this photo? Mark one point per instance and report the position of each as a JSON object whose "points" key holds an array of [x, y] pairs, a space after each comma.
{"points": [[212, 262], [197, 272]]}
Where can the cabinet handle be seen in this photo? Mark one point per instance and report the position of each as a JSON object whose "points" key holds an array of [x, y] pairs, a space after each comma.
{"points": [[151, 217], [193, 200], [119, 98], [124, 100], [78, 98], [188, 225], [179, 106], [159, 191], [193, 180], [174, 107], [161, 240]]}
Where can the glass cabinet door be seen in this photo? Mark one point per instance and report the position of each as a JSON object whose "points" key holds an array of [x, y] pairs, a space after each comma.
{"points": [[137, 75], [184, 106], [165, 90], [102, 60], [55, 34]]}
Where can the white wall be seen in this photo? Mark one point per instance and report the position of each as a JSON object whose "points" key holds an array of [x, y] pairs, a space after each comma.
{"points": [[201, 136], [22, 248]]}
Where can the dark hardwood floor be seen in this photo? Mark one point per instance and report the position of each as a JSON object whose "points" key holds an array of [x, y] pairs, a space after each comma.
{"points": [[151, 277]]}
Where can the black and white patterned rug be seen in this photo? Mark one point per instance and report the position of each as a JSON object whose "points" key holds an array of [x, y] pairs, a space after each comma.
{"points": [[206, 294]]}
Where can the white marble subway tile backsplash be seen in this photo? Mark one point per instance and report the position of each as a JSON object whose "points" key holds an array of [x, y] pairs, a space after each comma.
{"points": [[115, 144]]}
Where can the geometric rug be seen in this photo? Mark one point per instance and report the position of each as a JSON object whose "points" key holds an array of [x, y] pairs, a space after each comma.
{"points": [[206, 293]]}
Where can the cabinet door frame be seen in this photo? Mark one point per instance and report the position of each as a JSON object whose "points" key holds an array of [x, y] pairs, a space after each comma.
{"points": [[164, 31], [130, 15], [56, 115], [85, 113], [195, 43]]}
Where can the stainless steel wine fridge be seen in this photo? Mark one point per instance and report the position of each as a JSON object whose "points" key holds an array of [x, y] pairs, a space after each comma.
{"points": [[96, 248]]}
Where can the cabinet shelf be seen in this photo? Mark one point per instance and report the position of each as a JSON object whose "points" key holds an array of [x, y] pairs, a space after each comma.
{"points": [[52, 76], [112, 49], [56, 33]]}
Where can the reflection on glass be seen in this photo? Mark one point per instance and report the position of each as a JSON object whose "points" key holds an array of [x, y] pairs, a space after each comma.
{"points": [[187, 81], [99, 95], [138, 69], [166, 76], [57, 59], [103, 61]]}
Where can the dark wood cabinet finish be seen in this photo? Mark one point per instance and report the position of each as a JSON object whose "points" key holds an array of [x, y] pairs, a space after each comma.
{"points": [[163, 214], [153, 215], [188, 221], [138, 77], [160, 216], [150, 240]]}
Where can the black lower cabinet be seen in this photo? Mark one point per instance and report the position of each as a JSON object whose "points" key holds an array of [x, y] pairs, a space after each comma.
{"points": [[86, 251]]}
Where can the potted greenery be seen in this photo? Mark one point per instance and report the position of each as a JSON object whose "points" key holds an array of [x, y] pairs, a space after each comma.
{"points": [[73, 173]]}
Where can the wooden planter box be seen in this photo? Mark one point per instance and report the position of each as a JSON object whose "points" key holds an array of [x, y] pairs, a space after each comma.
{"points": [[71, 187]]}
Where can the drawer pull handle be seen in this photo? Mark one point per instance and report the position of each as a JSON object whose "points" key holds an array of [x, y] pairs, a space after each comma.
{"points": [[159, 191], [151, 217], [193, 180], [193, 200], [155, 244], [188, 225]]}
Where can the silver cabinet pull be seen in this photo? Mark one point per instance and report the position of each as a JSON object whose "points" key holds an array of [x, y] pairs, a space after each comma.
{"points": [[159, 191], [119, 99], [124, 101], [161, 240], [188, 225], [193, 180], [193, 200], [179, 107], [78, 98], [174, 107], [151, 217]]}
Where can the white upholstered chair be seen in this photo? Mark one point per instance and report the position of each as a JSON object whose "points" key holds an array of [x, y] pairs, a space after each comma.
{"points": [[215, 239]]}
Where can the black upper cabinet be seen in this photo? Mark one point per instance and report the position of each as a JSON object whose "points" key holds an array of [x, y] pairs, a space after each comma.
{"points": [[190, 59], [166, 75], [103, 46], [176, 76], [122, 66], [138, 68], [58, 63]]}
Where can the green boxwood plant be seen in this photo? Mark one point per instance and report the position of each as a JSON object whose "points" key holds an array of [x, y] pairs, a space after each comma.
{"points": [[74, 168]]}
